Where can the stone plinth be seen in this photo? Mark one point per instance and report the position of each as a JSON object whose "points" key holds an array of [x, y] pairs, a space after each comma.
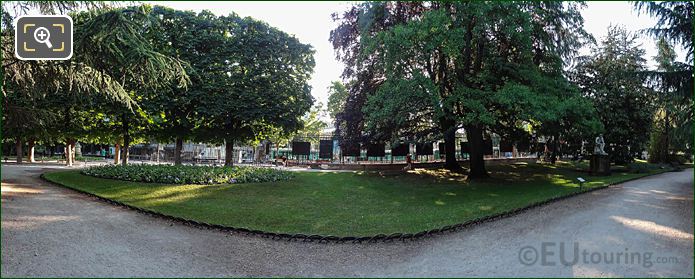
{"points": [[600, 165]]}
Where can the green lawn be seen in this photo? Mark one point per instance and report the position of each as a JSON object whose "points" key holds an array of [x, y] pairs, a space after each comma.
{"points": [[348, 204]]}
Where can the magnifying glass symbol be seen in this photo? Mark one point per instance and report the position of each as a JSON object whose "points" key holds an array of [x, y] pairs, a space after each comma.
{"points": [[42, 35]]}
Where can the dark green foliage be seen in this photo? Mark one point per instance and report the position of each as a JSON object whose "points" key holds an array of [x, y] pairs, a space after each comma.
{"points": [[674, 22], [609, 77], [669, 105], [672, 80], [187, 174], [114, 42], [259, 83], [363, 20], [100, 84], [428, 70], [635, 167], [196, 39], [153, 73]]}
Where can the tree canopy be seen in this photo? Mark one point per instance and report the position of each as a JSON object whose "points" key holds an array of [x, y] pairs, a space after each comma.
{"points": [[672, 80], [414, 72], [609, 77], [154, 73], [427, 69]]}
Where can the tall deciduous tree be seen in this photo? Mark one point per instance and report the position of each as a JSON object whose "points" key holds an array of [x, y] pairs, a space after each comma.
{"points": [[260, 82], [23, 121], [363, 20], [194, 39], [459, 65]]}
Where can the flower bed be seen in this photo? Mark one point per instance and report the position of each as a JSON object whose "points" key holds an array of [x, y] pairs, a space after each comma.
{"points": [[187, 174]]}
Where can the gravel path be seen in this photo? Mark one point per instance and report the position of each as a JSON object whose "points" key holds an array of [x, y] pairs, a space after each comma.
{"points": [[51, 231]]}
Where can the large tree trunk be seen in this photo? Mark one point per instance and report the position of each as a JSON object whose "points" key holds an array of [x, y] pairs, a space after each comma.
{"points": [[68, 152], [229, 153], [20, 152], [450, 152], [553, 153], [73, 153], [667, 137], [177, 151], [116, 154], [30, 151], [477, 161], [126, 141], [125, 154]]}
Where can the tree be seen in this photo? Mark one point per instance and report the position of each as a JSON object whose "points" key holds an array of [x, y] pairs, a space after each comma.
{"points": [[669, 105], [312, 125], [463, 65], [674, 22], [24, 120], [363, 20], [192, 38], [111, 59], [54, 86], [115, 42], [311, 128], [609, 77], [42, 80], [260, 83], [568, 118], [673, 80], [337, 96], [423, 55], [28, 74]]}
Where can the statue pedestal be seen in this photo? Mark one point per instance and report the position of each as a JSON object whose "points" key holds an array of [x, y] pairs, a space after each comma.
{"points": [[600, 165]]}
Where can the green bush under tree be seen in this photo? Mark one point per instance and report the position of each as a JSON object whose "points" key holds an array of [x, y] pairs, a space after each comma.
{"points": [[180, 174]]}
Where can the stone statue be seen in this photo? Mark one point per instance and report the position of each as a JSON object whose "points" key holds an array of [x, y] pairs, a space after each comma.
{"points": [[600, 144]]}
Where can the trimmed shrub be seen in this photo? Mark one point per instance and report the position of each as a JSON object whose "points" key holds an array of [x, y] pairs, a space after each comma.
{"points": [[643, 167], [187, 174]]}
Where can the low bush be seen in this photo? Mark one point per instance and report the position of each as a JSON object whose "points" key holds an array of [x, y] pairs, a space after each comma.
{"points": [[638, 167], [77, 158], [678, 159], [187, 174]]}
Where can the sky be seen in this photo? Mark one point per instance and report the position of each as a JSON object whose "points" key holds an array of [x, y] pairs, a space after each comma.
{"points": [[311, 23]]}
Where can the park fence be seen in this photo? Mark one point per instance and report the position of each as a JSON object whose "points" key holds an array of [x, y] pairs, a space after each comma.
{"points": [[316, 149]]}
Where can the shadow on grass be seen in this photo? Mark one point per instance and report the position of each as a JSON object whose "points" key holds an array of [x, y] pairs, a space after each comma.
{"points": [[341, 203]]}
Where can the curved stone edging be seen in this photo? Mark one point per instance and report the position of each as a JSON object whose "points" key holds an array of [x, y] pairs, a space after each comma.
{"points": [[344, 239]]}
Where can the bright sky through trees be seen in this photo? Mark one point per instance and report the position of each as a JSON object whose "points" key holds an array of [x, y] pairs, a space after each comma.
{"points": [[311, 23]]}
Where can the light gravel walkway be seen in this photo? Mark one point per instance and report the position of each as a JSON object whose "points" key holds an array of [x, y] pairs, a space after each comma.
{"points": [[51, 231]]}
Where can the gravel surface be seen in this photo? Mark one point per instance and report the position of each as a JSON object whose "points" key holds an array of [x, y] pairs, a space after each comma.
{"points": [[51, 231]]}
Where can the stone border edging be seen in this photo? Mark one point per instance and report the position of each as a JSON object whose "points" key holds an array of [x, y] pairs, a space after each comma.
{"points": [[344, 239]]}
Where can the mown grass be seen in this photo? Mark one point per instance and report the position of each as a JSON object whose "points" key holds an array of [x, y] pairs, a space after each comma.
{"points": [[349, 204]]}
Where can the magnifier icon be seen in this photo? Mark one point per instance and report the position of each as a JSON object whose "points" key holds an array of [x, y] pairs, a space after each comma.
{"points": [[42, 35]]}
